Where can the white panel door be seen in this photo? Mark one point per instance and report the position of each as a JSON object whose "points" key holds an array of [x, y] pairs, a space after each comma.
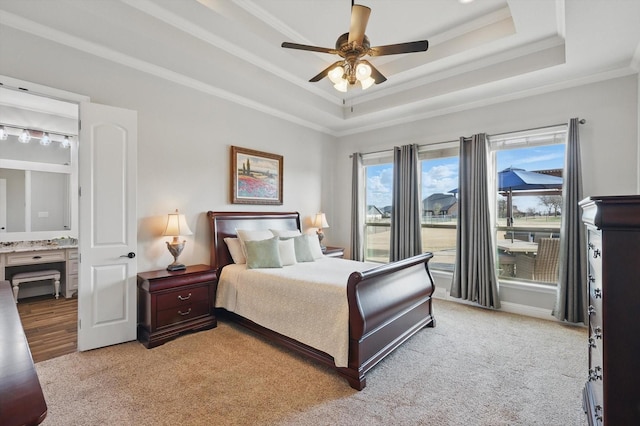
{"points": [[108, 231]]}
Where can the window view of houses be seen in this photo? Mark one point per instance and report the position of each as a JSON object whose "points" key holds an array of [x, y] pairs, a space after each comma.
{"points": [[527, 208]]}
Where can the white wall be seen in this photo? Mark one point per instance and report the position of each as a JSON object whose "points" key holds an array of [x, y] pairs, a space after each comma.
{"points": [[183, 142]]}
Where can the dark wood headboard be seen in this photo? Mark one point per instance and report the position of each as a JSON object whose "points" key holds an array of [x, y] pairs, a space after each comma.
{"points": [[224, 224]]}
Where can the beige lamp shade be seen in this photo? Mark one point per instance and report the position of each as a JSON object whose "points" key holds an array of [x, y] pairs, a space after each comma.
{"points": [[177, 225], [320, 221]]}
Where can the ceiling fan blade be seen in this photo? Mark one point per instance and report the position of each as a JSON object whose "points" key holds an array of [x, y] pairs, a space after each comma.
{"points": [[394, 49], [375, 74], [324, 72], [359, 19], [310, 48]]}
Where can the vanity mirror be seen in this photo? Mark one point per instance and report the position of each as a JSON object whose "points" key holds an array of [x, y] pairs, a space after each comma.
{"points": [[38, 174]]}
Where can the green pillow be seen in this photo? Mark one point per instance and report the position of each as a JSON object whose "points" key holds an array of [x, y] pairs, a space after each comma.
{"points": [[263, 254], [303, 251]]}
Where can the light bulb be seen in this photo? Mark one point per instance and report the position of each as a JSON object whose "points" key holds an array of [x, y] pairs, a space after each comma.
{"points": [[367, 82], [335, 75], [3, 134], [341, 86], [66, 143], [25, 136], [363, 71], [45, 140]]}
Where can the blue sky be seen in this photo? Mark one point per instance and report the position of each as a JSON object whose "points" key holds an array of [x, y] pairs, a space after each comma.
{"points": [[441, 175]]}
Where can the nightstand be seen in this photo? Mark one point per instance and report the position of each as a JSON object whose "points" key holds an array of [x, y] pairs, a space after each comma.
{"points": [[171, 303], [333, 251]]}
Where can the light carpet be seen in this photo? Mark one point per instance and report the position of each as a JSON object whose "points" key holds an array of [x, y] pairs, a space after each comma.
{"points": [[476, 367]]}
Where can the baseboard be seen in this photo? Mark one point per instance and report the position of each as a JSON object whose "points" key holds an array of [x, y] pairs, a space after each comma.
{"points": [[513, 308]]}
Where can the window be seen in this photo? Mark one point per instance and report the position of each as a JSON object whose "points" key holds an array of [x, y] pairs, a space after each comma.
{"points": [[378, 196], [529, 168], [440, 203]]}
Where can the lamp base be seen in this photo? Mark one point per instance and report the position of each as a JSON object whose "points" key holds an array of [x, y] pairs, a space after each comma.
{"points": [[176, 267]]}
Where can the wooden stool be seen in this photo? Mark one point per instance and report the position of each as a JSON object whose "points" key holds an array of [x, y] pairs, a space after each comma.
{"points": [[25, 277]]}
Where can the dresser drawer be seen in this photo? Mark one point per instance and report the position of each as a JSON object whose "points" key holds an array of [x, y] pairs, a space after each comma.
{"points": [[179, 314], [35, 257], [182, 297]]}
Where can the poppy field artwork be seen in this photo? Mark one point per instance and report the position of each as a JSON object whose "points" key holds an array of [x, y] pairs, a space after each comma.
{"points": [[257, 177]]}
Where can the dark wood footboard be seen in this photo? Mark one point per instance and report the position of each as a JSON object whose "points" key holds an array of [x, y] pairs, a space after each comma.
{"points": [[387, 305]]}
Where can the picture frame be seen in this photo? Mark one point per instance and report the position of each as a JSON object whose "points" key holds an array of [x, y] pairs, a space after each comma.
{"points": [[256, 177]]}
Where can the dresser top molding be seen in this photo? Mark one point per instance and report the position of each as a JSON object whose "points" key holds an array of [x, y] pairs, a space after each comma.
{"points": [[612, 212]]}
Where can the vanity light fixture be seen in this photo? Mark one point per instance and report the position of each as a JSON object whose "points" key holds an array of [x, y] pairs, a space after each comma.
{"points": [[25, 136], [66, 142], [45, 140]]}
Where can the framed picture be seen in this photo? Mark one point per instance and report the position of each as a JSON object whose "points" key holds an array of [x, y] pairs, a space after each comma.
{"points": [[256, 177]]}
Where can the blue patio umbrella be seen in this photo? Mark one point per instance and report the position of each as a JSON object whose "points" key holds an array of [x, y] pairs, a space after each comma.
{"points": [[523, 181], [512, 179]]}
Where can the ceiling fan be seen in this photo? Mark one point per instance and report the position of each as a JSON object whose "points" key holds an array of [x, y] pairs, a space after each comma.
{"points": [[352, 47]]}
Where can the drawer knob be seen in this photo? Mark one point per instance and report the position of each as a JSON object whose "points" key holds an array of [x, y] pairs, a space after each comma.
{"points": [[185, 313], [184, 298], [598, 333], [597, 293], [595, 374]]}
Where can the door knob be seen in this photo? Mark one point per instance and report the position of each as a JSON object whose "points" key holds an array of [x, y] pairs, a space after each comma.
{"points": [[130, 255]]}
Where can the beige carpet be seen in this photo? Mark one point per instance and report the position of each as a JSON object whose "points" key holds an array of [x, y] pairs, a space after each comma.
{"points": [[476, 367]]}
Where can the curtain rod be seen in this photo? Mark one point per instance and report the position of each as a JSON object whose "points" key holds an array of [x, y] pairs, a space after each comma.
{"points": [[581, 121]]}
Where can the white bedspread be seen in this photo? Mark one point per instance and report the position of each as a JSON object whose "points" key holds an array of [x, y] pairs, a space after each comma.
{"points": [[306, 301]]}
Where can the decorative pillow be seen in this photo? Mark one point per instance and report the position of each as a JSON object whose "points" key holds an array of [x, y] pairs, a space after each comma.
{"points": [[287, 252], [303, 252], [235, 248], [263, 253], [252, 235], [314, 246], [285, 233]]}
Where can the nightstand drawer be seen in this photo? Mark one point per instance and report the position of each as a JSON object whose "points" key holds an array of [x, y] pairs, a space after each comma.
{"points": [[179, 314], [182, 297]]}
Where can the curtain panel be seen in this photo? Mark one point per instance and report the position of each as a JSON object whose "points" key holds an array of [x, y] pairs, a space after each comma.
{"points": [[357, 208], [474, 276], [572, 299], [406, 240]]}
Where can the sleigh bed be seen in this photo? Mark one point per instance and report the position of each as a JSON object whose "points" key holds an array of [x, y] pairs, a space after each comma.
{"points": [[373, 308]]}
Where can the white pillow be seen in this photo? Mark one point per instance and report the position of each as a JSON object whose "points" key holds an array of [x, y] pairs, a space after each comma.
{"points": [[314, 245], [235, 248], [287, 252], [252, 235], [285, 233]]}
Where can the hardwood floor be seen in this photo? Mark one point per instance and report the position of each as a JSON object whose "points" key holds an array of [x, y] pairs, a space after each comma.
{"points": [[50, 325]]}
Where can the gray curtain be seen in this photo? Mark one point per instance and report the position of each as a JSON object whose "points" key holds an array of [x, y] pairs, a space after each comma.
{"points": [[474, 276], [571, 304], [357, 208], [406, 229]]}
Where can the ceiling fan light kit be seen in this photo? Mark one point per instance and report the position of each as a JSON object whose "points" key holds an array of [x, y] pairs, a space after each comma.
{"points": [[352, 47]]}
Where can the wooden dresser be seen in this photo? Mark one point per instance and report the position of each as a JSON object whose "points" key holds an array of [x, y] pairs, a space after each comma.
{"points": [[611, 395], [21, 399]]}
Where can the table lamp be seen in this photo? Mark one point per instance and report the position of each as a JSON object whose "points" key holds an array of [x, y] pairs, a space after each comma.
{"points": [[320, 221], [176, 227]]}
